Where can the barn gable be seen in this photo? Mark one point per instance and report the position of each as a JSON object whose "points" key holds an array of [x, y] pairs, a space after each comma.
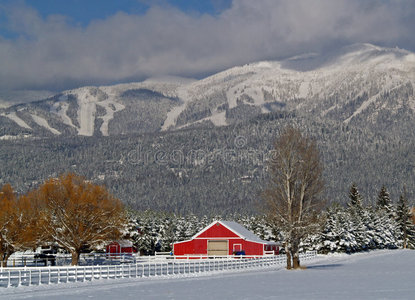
{"points": [[216, 230], [228, 229]]}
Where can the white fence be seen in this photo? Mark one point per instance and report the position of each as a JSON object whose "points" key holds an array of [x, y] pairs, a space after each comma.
{"points": [[39, 260], [167, 267]]}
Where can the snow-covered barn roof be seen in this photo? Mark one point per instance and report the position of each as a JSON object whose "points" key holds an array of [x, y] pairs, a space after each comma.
{"points": [[242, 231], [124, 243], [239, 230]]}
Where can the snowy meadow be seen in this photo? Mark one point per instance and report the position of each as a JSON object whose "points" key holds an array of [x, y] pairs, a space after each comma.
{"points": [[381, 274]]}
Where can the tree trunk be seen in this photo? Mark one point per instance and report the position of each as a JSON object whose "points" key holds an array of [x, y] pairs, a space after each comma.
{"points": [[287, 251], [289, 267], [75, 257], [405, 238], [4, 257], [295, 254], [296, 261]]}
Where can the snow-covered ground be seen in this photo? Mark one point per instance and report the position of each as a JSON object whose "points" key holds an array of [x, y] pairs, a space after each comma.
{"points": [[374, 275]]}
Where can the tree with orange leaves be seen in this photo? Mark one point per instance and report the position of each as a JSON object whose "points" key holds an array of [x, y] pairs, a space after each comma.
{"points": [[18, 223], [77, 214]]}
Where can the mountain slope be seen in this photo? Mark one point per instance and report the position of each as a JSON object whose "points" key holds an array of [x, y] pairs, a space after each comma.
{"points": [[360, 83], [202, 146]]}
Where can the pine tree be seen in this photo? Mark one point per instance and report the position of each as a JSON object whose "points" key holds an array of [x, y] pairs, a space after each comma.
{"points": [[386, 220], [356, 212], [355, 198], [329, 238], [370, 233], [405, 226], [384, 201]]}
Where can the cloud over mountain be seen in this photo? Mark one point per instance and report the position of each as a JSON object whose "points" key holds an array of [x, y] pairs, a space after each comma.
{"points": [[56, 53]]}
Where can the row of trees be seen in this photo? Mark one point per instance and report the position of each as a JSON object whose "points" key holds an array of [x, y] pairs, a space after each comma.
{"points": [[69, 211], [360, 227], [356, 227], [344, 229], [294, 203]]}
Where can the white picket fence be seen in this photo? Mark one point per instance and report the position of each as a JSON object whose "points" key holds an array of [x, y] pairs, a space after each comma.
{"points": [[29, 276]]}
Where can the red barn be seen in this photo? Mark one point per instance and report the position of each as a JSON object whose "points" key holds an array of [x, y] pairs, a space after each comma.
{"points": [[224, 238], [122, 246]]}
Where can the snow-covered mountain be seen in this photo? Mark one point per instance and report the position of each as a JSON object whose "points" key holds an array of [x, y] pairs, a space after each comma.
{"points": [[361, 84]]}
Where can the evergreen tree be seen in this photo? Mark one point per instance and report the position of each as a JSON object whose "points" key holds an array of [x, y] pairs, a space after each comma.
{"points": [[329, 238], [370, 233], [356, 212], [168, 235], [386, 220], [405, 226], [384, 201], [355, 198]]}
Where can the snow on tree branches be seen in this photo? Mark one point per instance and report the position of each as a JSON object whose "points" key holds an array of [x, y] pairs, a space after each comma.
{"points": [[77, 214], [292, 199]]}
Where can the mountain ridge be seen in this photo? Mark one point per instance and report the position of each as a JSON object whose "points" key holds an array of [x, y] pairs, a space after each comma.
{"points": [[224, 98]]}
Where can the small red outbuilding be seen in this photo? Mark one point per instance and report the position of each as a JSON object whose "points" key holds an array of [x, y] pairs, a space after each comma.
{"points": [[224, 238], [121, 246]]}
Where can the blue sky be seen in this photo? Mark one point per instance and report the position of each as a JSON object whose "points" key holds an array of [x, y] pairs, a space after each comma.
{"points": [[62, 44], [82, 12]]}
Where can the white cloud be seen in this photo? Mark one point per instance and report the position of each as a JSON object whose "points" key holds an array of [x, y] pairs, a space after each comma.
{"points": [[55, 53]]}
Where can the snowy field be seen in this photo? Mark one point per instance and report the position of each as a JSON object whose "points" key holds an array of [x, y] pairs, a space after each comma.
{"points": [[375, 275]]}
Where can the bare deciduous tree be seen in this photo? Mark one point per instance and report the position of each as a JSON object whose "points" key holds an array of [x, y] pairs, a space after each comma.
{"points": [[78, 214], [292, 199]]}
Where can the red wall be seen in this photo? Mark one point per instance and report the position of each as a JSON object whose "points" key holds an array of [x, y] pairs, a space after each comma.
{"points": [[113, 248], [217, 231], [199, 246], [117, 249], [190, 247]]}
